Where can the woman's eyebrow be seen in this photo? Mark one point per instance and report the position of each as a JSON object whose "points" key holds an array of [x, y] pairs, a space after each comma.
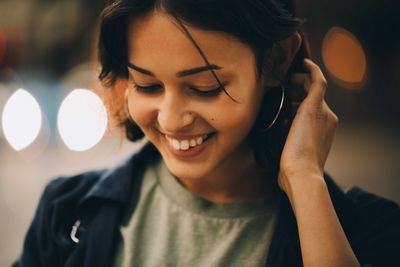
{"points": [[179, 74], [192, 71]]}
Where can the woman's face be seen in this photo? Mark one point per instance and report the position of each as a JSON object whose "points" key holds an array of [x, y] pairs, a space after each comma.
{"points": [[198, 129]]}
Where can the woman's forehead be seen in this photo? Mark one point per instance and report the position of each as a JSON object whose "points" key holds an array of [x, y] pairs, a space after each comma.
{"points": [[158, 37]]}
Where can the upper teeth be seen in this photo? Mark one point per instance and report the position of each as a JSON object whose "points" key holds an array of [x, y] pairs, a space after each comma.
{"points": [[185, 144]]}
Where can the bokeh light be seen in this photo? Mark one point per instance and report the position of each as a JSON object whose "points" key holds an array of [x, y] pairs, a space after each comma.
{"points": [[82, 120], [344, 58], [21, 119]]}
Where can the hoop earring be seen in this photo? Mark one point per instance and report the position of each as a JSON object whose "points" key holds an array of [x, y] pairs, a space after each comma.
{"points": [[279, 110], [128, 114]]}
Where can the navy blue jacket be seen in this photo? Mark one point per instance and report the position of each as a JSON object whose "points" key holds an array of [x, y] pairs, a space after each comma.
{"points": [[96, 201]]}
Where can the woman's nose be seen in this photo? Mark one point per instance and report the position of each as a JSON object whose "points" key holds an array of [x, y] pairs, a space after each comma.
{"points": [[174, 114]]}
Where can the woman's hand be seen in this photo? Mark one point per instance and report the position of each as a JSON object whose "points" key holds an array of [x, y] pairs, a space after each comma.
{"points": [[322, 239], [312, 131]]}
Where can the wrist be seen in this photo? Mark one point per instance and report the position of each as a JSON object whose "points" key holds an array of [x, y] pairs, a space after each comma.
{"points": [[303, 188]]}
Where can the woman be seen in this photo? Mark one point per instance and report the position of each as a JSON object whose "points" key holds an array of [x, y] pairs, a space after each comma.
{"points": [[233, 173]]}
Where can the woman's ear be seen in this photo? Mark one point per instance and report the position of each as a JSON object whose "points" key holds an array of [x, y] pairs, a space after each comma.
{"points": [[279, 59], [114, 99]]}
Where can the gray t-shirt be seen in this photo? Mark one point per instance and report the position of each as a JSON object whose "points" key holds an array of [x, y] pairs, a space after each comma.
{"points": [[167, 225]]}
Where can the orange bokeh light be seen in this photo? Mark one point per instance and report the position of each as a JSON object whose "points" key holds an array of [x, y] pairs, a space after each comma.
{"points": [[344, 58]]}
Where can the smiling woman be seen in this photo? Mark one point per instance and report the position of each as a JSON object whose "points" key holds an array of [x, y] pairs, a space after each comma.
{"points": [[232, 171], [175, 101]]}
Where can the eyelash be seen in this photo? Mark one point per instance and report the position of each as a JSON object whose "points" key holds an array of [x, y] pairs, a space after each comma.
{"points": [[154, 88]]}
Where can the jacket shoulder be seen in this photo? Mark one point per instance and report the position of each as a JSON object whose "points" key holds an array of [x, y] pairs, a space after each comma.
{"points": [[374, 209], [48, 231], [69, 199], [70, 186], [378, 228]]}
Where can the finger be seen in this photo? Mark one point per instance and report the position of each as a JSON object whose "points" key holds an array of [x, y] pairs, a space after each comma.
{"points": [[334, 117], [300, 85], [316, 91], [300, 79]]}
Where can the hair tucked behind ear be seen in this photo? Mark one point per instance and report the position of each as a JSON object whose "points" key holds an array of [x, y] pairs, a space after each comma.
{"points": [[257, 23], [268, 145]]}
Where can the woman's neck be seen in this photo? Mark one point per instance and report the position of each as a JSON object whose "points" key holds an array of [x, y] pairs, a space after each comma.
{"points": [[238, 179]]}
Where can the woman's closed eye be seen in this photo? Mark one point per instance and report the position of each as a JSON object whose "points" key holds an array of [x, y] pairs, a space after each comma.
{"points": [[198, 92], [207, 92], [148, 89]]}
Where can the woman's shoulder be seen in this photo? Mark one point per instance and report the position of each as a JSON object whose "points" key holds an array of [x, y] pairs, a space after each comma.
{"points": [[104, 184], [367, 207], [371, 223], [365, 214], [69, 199], [376, 230], [376, 213], [370, 201], [359, 200], [71, 187]]}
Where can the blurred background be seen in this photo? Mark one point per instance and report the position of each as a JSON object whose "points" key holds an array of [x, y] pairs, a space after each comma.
{"points": [[53, 123]]}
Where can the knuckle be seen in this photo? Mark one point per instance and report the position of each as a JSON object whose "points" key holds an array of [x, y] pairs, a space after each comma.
{"points": [[335, 119], [322, 82]]}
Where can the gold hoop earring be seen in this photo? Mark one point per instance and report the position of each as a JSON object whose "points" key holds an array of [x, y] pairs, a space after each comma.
{"points": [[128, 114], [279, 110]]}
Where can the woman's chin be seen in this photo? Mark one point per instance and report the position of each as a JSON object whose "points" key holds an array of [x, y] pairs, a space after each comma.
{"points": [[187, 171]]}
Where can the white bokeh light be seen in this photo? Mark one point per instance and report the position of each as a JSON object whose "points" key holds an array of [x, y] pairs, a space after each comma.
{"points": [[21, 119], [82, 120]]}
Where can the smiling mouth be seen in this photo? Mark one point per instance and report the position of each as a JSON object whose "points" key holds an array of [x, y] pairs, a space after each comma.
{"points": [[189, 143]]}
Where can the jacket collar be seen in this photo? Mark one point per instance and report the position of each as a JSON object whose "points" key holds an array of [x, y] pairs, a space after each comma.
{"points": [[101, 208], [116, 184]]}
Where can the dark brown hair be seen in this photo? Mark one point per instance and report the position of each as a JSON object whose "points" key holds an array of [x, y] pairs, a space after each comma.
{"points": [[257, 23]]}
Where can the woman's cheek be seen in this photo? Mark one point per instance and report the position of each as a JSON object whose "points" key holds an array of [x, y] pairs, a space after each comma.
{"points": [[236, 117], [142, 111]]}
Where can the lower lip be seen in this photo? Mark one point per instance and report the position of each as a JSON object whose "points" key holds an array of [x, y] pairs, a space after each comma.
{"points": [[191, 152]]}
